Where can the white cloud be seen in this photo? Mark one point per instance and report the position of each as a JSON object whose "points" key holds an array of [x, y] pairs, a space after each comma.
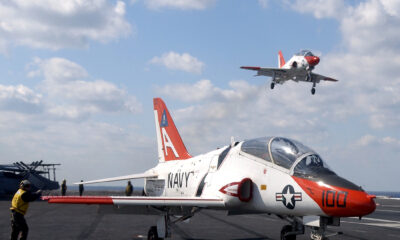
{"points": [[20, 99], [319, 8], [391, 6], [373, 141], [365, 140], [371, 20], [180, 4], [71, 94], [54, 25], [69, 118], [245, 110], [80, 146], [370, 60], [371, 26], [175, 61]]}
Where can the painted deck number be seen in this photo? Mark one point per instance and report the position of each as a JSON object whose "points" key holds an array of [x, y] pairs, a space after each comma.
{"points": [[333, 198]]}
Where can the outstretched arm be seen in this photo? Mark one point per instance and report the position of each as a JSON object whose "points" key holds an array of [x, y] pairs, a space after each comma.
{"points": [[30, 197]]}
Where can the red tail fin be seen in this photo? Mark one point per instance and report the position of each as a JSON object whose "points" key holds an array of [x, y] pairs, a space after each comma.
{"points": [[170, 144], [281, 60]]}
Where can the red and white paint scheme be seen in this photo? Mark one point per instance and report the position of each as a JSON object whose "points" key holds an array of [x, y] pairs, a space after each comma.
{"points": [[298, 68], [263, 175]]}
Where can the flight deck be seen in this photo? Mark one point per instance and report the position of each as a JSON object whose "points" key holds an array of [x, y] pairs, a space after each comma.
{"points": [[59, 221]]}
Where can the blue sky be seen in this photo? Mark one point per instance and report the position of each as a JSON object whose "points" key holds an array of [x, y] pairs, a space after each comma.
{"points": [[79, 77]]}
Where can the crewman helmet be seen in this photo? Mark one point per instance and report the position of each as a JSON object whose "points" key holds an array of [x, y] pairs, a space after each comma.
{"points": [[25, 184]]}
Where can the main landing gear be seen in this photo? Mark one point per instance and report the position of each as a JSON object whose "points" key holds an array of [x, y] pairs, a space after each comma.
{"points": [[309, 78], [286, 233], [313, 88], [272, 85], [164, 223]]}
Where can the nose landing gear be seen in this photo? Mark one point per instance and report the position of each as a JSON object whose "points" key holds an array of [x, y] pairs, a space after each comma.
{"points": [[289, 232], [286, 233]]}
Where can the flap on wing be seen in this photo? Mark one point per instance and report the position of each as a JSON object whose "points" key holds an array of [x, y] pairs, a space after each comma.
{"points": [[137, 201], [126, 177], [269, 72], [322, 77]]}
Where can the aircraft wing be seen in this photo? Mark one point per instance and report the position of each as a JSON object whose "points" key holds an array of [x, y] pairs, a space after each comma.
{"points": [[270, 72], [138, 201], [319, 77], [120, 178]]}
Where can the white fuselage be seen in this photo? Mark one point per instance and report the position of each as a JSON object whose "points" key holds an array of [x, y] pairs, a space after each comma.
{"points": [[183, 178], [301, 63]]}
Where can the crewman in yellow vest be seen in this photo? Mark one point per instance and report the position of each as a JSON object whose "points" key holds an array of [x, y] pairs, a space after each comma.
{"points": [[19, 207]]}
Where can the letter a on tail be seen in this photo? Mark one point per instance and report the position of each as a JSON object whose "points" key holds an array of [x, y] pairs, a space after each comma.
{"points": [[170, 144]]}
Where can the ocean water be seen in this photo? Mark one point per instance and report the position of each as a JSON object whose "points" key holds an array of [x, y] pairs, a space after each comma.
{"points": [[386, 194]]}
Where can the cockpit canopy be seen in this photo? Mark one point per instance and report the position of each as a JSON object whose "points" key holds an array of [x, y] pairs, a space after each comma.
{"points": [[305, 53], [288, 154]]}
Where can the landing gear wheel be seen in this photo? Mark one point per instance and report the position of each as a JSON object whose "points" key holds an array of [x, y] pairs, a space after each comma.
{"points": [[312, 91], [272, 85], [286, 229], [152, 234], [317, 237], [318, 234]]}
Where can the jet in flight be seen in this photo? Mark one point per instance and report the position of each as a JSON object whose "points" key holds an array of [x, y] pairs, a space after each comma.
{"points": [[274, 175], [298, 68]]}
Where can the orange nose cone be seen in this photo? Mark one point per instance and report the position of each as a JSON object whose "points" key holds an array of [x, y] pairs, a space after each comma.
{"points": [[312, 60], [365, 205], [369, 204]]}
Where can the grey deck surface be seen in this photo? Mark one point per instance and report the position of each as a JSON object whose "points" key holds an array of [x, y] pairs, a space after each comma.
{"points": [[59, 221]]}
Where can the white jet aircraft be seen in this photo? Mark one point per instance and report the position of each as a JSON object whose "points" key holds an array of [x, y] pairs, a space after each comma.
{"points": [[298, 68], [273, 175]]}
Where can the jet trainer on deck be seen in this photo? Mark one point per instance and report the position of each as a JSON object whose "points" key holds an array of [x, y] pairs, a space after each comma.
{"points": [[298, 68], [273, 175]]}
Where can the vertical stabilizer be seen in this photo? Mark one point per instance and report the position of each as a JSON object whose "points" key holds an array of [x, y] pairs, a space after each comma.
{"points": [[170, 144], [281, 60]]}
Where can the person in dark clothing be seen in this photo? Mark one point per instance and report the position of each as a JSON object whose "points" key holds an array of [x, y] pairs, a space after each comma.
{"points": [[81, 189], [129, 189], [19, 207], [63, 187]]}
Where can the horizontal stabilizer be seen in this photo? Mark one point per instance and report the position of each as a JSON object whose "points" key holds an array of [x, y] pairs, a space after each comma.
{"points": [[330, 79], [126, 177], [250, 68], [137, 201]]}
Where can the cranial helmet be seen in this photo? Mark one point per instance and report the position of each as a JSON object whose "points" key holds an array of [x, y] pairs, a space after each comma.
{"points": [[25, 184]]}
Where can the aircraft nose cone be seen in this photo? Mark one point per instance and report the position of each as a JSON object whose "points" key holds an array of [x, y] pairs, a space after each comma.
{"points": [[312, 60], [367, 205], [363, 204]]}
